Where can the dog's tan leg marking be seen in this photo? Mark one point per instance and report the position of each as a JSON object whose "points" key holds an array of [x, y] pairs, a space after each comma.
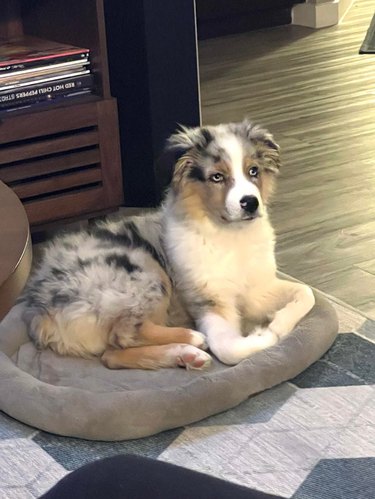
{"points": [[153, 334], [295, 301], [155, 357]]}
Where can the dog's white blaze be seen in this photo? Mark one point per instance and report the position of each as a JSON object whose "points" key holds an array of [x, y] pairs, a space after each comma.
{"points": [[242, 186]]}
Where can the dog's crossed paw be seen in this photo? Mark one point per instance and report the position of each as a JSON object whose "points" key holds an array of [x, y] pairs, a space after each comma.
{"points": [[198, 340], [192, 358], [265, 336], [280, 325]]}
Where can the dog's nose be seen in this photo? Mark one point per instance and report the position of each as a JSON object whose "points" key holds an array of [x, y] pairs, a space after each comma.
{"points": [[249, 203]]}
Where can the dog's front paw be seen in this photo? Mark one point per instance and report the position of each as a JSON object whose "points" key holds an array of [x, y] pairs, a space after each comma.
{"points": [[280, 325], [192, 358], [265, 337], [198, 340]]}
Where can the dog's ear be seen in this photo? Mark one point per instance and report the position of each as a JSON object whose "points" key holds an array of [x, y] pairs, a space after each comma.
{"points": [[177, 157], [180, 172], [168, 162], [188, 138], [165, 166], [264, 140]]}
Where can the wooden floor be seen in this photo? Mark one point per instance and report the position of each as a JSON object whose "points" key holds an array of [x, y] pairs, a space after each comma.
{"points": [[316, 94]]}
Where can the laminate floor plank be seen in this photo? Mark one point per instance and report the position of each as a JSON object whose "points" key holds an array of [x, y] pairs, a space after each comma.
{"points": [[314, 91], [340, 285], [367, 266], [352, 246]]}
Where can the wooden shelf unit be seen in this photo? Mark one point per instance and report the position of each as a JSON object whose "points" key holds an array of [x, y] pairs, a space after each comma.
{"points": [[63, 160]]}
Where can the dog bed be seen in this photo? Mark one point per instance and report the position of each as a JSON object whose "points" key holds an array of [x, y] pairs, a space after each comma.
{"points": [[81, 398]]}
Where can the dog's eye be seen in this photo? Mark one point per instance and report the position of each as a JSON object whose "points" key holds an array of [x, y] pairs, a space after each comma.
{"points": [[254, 171], [217, 177]]}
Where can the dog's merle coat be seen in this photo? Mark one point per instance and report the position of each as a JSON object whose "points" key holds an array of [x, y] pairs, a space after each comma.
{"points": [[111, 270]]}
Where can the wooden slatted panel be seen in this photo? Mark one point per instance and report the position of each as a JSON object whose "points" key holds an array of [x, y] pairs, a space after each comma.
{"points": [[50, 165], [65, 205], [15, 128], [49, 146], [58, 183]]}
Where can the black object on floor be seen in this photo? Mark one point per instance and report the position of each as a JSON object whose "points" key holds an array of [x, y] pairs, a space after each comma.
{"points": [[135, 477], [368, 45]]}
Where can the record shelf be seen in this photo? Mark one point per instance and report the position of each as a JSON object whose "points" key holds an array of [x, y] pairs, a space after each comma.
{"points": [[63, 159]]}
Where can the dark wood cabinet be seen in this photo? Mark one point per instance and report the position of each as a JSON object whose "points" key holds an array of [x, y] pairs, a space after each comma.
{"points": [[153, 64], [63, 160]]}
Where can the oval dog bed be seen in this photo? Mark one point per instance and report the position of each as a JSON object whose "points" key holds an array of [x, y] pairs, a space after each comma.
{"points": [[81, 398]]}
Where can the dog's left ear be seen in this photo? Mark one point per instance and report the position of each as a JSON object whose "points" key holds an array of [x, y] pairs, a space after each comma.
{"points": [[262, 138]]}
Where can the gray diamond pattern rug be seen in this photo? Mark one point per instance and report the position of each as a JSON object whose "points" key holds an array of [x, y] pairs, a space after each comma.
{"points": [[310, 438]]}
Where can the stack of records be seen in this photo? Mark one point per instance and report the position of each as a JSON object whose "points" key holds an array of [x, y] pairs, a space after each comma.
{"points": [[35, 72]]}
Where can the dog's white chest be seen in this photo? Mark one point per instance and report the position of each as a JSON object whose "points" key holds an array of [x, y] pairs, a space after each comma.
{"points": [[233, 260]]}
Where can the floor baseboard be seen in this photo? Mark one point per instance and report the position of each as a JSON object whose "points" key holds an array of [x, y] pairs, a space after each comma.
{"points": [[320, 13]]}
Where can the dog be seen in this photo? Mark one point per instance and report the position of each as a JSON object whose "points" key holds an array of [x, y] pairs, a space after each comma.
{"points": [[131, 290]]}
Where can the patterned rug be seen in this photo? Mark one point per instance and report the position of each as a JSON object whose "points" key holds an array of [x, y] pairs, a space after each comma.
{"points": [[368, 45], [310, 438]]}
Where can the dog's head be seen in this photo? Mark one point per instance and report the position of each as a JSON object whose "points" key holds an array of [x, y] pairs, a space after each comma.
{"points": [[227, 171]]}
